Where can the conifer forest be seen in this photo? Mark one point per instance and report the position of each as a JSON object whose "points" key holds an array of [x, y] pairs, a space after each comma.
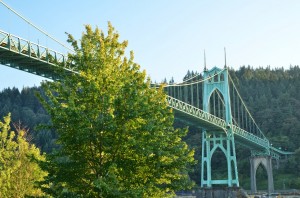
{"points": [[272, 96]]}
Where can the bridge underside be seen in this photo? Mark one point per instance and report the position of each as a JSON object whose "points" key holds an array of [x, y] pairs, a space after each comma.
{"points": [[190, 120], [28, 64]]}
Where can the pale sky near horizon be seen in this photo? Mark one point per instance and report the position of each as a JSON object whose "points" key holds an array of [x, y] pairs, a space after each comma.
{"points": [[168, 37]]}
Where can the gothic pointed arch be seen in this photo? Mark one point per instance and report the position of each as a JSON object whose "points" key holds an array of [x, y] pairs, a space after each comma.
{"points": [[217, 104]]}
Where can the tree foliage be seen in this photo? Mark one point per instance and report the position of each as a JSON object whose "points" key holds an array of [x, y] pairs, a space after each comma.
{"points": [[273, 98], [26, 108], [19, 168], [116, 132]]}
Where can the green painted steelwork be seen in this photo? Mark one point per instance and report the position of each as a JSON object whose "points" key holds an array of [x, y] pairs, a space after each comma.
{"points": [[213, 139], [218, 132], [204, 120], [24, 55]]}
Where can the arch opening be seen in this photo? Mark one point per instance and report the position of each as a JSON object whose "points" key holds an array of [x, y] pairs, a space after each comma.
{"points": [[217, 104], [222, 77], [219, 165], [261, 177], [216, 77]]}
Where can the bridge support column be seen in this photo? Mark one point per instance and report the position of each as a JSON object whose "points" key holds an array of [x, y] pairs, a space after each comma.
{"points": [[216, 88], [266, 161], [211, 141]]}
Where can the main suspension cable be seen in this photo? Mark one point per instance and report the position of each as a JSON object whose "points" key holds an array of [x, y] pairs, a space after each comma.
{"points": [[191, 83], [243, 103], [39, 29], [196, 75]]}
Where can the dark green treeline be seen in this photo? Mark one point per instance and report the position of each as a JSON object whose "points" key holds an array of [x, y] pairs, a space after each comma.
{"points": [[272, 96], [26, 109]]}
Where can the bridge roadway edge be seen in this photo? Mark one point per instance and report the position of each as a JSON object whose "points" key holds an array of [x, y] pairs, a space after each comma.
{"points": [[200, 124], [33, 62]]}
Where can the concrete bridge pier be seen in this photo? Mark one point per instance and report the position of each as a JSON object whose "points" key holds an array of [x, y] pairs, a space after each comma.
{"points": [[265, 161]]}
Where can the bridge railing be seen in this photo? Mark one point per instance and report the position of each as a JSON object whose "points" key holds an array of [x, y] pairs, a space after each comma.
{"points": [[216, 121], [41, 53], [250, 136], [198, 113], [281, 151], [32, 50]]}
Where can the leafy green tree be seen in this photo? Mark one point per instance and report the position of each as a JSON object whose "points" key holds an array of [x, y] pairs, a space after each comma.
{"points": [[116, 132], [19, 169]]}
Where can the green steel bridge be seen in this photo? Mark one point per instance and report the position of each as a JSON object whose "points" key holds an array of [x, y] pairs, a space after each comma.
{"points": [[209, 101]]}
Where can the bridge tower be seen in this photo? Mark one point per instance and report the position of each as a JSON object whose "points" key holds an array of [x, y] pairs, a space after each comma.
{"points": [[215, 139], [266, 161]]}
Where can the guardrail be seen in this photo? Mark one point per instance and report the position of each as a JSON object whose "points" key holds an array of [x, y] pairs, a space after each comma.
{"points": [[51, 57], [32, 50], [198, 113], [216, 121]]}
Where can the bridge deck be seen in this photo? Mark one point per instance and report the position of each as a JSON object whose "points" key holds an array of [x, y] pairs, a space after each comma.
{"points": [[190, 120], [193, 116], [28, 64], [24, 55]]}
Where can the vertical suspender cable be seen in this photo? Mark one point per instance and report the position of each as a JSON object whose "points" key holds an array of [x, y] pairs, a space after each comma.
{"points": [[192, 94], [233, 102], [238, 108], [243, 105], [186, 94], [174, 92], [197, 99], [214, 98], [242, 109], [179, 93], [219, 108], [246, 121]]}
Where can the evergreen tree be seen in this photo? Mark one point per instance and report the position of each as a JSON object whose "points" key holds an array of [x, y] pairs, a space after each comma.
{"points": [[116, 132], [19, 169]]}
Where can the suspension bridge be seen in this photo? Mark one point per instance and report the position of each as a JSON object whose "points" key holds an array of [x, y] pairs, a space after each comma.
{"points": [[209, 101]]}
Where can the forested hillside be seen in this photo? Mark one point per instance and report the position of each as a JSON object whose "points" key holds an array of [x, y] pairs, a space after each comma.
{"points": [[272, 96], [26, 109]]}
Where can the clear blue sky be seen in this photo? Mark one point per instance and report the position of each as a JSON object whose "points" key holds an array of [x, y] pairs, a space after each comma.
{"points": [[167, 36]]}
